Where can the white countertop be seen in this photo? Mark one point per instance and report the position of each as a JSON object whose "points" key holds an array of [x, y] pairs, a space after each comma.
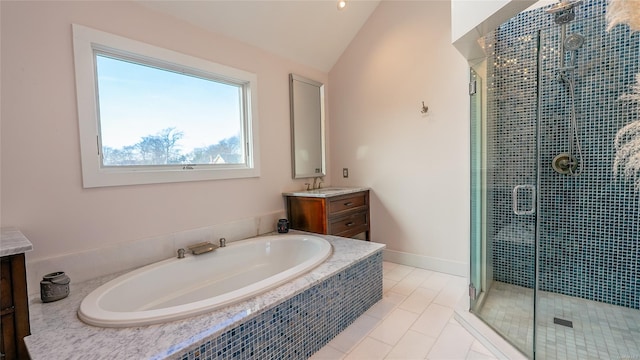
{"points": [[13, 242], [326, 192], [57, 333]]}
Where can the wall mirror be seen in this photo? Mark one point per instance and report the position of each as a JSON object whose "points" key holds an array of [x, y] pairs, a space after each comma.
{"points": [[307, 127]]}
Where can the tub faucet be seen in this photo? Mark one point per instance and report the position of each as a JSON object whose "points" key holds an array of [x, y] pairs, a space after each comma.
{"points": [[223, 242], [181, 253], [203, 247]]}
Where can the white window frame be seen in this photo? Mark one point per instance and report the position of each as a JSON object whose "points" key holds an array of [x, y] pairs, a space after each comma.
{"points": [[85, 41]]}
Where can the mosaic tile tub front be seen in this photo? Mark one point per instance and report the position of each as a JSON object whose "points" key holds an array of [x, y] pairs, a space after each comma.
{"points": [[303, 324]]}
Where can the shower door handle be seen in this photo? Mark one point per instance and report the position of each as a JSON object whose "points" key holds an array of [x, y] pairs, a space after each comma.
{"points": [[515, 197]]}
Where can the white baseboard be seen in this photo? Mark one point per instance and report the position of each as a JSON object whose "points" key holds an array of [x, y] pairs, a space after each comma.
{"points": [[427, 262]]}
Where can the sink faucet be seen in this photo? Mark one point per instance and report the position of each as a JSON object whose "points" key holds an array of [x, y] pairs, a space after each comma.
{"points": [[318, 180]]}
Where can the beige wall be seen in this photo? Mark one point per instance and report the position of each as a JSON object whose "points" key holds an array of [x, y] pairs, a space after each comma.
{"points": [[472, 19], [42, 191], [468, 14], [417, 166]]}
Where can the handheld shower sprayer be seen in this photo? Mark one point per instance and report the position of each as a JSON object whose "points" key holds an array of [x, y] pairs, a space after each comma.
{"points": [[569, 163]]}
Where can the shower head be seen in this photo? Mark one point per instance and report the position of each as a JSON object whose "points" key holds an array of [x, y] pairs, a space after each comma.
{"points": [[573, 42], [563, 11], [564, 5]]}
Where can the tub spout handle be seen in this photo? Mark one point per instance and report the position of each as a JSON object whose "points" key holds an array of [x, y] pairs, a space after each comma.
{"points": [[223, 242], [181, 253]]}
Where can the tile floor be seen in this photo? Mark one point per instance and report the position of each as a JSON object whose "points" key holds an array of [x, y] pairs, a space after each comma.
{"points": [[600, 331], [414, 320]]}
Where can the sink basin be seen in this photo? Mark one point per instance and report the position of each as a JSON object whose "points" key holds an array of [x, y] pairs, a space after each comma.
{"points": [[328, 190], [325, 192]]}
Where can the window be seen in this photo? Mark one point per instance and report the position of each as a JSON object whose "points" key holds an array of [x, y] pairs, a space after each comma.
{"points": [[151, 115]]}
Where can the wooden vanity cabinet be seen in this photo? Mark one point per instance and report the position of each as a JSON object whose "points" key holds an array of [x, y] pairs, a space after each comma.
{"points": [[343, 215], [14, 308]]}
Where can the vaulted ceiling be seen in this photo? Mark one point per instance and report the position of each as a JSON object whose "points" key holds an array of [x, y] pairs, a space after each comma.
{"points": [[311, 32]]}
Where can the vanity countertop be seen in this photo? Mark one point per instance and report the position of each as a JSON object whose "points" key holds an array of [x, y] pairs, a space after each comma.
{"points": [[13, 242], [327, 192]]}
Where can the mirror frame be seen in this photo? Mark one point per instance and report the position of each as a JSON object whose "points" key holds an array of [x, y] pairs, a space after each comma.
{"points": [[298, 123]]}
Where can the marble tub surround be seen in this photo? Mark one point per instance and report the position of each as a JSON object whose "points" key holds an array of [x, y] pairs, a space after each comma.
{"points": [[326, 192], [57, 333], [13, 242], [90, 264]]}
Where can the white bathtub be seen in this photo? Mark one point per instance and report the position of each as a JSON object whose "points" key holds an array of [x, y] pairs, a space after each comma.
{"points": [[178, 288]]}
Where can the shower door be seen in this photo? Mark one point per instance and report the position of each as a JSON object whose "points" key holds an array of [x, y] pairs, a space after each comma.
{"points": [[504, 156]]}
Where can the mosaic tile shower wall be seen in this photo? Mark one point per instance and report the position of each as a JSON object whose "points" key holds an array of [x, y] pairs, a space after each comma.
{"points": [[300, 326], [589, 225]]}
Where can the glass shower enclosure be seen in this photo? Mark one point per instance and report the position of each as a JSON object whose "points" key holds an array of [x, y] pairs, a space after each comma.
{"points": [[555, 150]]}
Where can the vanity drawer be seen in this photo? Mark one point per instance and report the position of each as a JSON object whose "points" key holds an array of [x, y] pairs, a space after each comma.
{"points": [[347, 202], [352, 223], [14, 307]]}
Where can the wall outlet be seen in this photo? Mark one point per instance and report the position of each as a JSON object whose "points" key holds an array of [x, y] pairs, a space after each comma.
{"points": [[345, 172]]}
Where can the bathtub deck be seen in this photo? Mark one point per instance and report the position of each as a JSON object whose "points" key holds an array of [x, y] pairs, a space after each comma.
{"points": [[57, 333]]}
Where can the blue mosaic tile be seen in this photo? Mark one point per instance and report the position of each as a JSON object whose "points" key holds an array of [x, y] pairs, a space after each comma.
{"points": [[303, 324], [588, 225]]}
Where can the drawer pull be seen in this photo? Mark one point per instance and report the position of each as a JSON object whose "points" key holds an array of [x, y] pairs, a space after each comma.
{"points": [[348, 203], [8, 310], [349, 224]]}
